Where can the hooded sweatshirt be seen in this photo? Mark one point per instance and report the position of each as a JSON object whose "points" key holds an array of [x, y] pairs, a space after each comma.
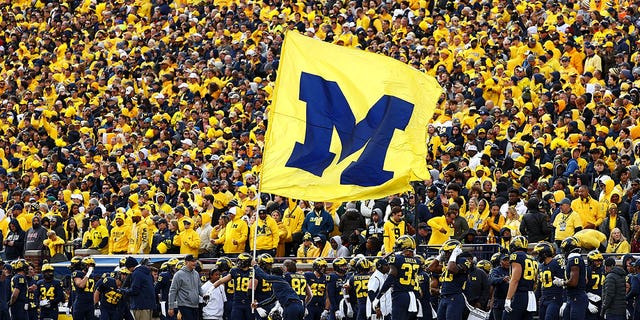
{"points": [[142, 291], [185, 289], [18, 237], [35, 236], [341, 251]]}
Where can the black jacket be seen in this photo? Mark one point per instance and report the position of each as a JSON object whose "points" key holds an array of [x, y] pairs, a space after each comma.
{"points": [[613, 293], [535, 226]]}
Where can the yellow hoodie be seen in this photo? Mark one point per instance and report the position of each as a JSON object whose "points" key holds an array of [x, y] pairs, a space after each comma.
{"points": [[237, 230], [267, 234]]}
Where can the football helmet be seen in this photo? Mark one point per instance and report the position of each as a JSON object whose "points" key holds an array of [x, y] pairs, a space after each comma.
{"points": [[544, 250], [244, 260], [340, 265], [518, 243], [319, 265], [405, 242], [570, 245]]}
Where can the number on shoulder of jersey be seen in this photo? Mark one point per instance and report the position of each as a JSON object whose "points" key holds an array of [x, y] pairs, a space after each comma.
{"points": [[340, 265], [594, 255], [320, 265], [518, 243], [544, 250], [405, 242], [484, 265], [570, 245], [244, 260]]}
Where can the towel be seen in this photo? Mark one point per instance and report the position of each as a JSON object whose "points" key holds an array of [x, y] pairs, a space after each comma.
{"points": [[413, 305], [532, 305]]}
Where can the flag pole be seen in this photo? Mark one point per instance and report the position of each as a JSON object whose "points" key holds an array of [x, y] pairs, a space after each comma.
{"points": [[255, 241]]}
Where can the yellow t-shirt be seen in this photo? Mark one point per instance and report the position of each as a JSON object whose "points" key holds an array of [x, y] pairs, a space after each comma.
{"points": [[566, 225]]}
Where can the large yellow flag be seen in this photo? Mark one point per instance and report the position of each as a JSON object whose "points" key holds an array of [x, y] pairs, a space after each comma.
{"points": [[345, 124]]}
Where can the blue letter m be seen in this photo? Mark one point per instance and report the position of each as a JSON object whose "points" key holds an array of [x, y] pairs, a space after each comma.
{"points": [[327, 108]]}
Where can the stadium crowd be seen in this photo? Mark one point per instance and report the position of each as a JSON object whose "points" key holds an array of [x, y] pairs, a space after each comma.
{"points": [[137, 127]]}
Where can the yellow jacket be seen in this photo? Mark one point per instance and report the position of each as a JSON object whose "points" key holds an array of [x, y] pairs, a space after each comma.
{"points": [[620, 247], [237, 230], [267, 234], [139, 241], [284, 235], [590, 239], [436, 224], [310, 252], [293, 218], [391, 232], [589, 211], [119, 239], [189, 242], [55, 246], [96, 235]]}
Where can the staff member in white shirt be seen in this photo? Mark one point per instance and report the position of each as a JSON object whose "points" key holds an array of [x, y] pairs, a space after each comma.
{"points": [[376, 281], [214, 308]]}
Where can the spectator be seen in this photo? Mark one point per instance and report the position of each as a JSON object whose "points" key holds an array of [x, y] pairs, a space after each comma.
{"points": [[160, 236], [204, 232], [337, 249], [14, 242], [97, 237], [318, 221], [613, 220], [376, 225], [185, 291], [535, 224], [55, 245], [513, 221], [442, 228], [567, 222], [235, 234], [588, 209], [141, 292], [35, 236], [188, 240], [393, 228], [351, 220], [267, 233], [460, 226], [618, 243], [308, 249]]}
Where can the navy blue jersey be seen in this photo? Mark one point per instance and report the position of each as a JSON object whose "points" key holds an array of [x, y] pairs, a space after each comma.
{"points": [[298, 283], [496, 278], [335, 283], [20, 282], [548, 272], [573, 261], [83, 296], [529, 267], [163, 284], [31, 295], [50, 290], [407, 273], [595, 280], [109, 295], [281, 288], [318, 286], [359, 285], [263, 289], [229, 288], [241, 280], [424, 282], [454, 283]]}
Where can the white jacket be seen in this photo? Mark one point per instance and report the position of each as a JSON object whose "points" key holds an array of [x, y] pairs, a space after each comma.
{"points": [[376, 281]]}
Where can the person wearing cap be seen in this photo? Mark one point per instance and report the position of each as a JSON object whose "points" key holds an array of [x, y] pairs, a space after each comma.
{"points": [[308, 249], [120, 236], [235, 234], [264, 232], [567, 222], [376, 224], [141, 292], [188, 240], [318, 221], [140, 238], [614, 303], [97, 237], [185, 291]]}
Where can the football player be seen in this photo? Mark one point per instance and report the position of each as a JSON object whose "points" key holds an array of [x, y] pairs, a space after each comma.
{"points": [[49, 294], [452, 279], [550, 294], [575, 280], [595, 282], [317, 280], [242, 277], [84, 286], [520, 302]]}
